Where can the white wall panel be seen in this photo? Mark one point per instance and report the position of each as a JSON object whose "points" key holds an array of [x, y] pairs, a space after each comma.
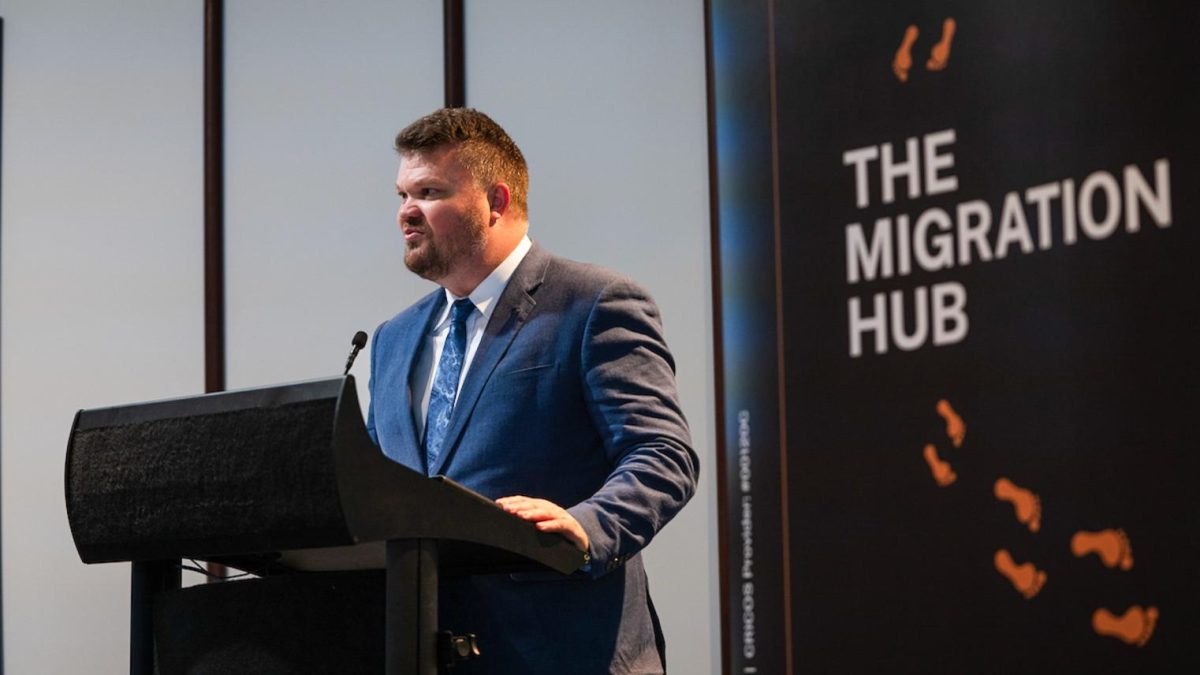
{"points": [[315, 93], [102, 284], [607, 100]]}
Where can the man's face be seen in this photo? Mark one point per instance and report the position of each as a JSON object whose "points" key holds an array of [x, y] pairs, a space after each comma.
{"points": [[444, 213]]}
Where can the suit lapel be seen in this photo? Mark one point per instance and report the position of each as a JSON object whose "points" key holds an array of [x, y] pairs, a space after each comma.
{"points": [[513, 307], [410, 346]]}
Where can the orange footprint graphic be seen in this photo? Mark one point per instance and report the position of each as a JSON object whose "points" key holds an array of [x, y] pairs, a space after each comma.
{"points": [[942, 472], [903, 60], [1027, 579], [956, 429], [939, 56], [1134, 627], [1026, 504], [1111, 546]]}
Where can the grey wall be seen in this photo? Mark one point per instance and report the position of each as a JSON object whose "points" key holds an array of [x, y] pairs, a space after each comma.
{"points": [[315, 92], [102, 251], [102, 284]]}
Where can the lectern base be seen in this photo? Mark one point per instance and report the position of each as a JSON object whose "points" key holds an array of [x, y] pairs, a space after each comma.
{"points": [[293, 624]]}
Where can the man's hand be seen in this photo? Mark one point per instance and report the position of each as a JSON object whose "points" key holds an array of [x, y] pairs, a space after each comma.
{"points": [[548, 516]]}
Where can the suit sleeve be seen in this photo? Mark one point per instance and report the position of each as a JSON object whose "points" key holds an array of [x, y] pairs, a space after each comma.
{"points": [[629, 383]]}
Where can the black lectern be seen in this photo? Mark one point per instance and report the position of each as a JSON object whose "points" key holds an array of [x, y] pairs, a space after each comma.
{"points": [[276, 481]]}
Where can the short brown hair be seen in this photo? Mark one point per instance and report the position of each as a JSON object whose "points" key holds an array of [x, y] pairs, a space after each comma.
{"points": [[484, 148]]}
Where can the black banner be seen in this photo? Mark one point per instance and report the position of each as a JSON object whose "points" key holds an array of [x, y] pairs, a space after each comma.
{"points": [[985, 311]]}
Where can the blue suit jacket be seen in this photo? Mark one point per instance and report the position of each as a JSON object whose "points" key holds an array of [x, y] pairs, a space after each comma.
{"points": [[570, 397]]}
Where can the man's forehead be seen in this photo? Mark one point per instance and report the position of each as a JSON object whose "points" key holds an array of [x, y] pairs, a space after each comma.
{"points": [[440, 160]]}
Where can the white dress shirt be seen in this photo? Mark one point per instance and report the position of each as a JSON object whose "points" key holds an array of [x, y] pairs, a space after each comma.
{"points": [[484, 297]]}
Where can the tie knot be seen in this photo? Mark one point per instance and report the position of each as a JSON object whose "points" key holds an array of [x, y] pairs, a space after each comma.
{"points": [[460, 310]]}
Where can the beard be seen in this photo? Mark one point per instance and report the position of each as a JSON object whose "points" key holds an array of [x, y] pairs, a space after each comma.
{"points": [[435, 258]]}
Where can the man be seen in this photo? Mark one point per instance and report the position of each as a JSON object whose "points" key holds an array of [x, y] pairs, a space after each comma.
{"points": [[539, 382]]}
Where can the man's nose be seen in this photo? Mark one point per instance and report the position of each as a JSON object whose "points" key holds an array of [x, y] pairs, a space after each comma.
{"points": [[409, 213]]}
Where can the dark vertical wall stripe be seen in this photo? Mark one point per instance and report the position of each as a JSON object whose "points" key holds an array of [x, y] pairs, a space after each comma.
{"points": [[214, 198], [723, 497], [214, 207], [455, 65]]}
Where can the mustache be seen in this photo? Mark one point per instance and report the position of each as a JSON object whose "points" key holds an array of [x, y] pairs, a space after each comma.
{"points": [[414, 222]]}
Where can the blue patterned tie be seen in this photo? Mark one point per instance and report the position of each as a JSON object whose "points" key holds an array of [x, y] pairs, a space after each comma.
{"points": [[445, 382]]}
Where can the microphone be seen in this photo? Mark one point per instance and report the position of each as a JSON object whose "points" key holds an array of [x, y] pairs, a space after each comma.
{"points": [[358, 341]]}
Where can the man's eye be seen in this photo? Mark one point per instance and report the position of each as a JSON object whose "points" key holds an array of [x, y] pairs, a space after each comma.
{"points": [[428, 192]]}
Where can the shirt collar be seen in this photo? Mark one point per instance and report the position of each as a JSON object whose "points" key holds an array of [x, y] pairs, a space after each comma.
{"points": [[488, 291]]}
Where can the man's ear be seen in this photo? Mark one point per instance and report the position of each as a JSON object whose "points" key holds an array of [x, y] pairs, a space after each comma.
{"points": [[499, 199]]}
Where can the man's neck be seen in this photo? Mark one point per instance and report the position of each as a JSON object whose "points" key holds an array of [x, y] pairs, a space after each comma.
{"points": [[462, 284], [464, 280]]}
